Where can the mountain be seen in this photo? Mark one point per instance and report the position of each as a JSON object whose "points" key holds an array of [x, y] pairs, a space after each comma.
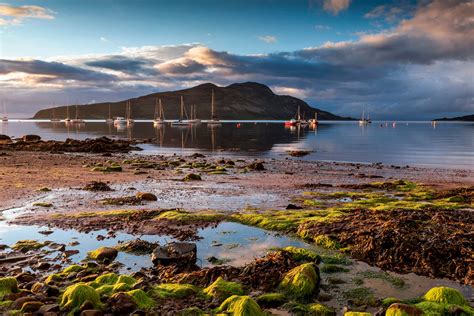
{"points": [[239, 101], [466, 118]]}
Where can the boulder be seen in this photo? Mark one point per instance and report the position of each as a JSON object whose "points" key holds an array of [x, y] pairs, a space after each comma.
{"points": [[146, 196], [103, 254], [175, 252], [31, 138]]}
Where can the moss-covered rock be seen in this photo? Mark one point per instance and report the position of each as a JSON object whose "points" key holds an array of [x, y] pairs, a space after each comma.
{"points": [[301, 282], [271, 299], [302, 254], [108, 290], [27, 245], [357, 314], [143, 300], [318, 309], [398, 309], [386, 302], [7, 286], [240, 306], [444, 295], [103, 254], [73, 268], [171, 290], [78, 294], [222, 289]]}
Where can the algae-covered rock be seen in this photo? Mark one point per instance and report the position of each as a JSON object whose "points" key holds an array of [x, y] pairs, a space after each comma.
{"points": [[7, 286], [271, 299], [73, 268], [318, 309], [27, 245], [302, 254], [444, 295], [240, 306], [103, 254], [357, 314], [78, 294], [301, 282], [142, 299], [222, 289], [175, 290], [398, 309], [108, 290]]}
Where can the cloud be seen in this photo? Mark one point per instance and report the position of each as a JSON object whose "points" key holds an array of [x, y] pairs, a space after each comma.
{"points": [[103, 39], [419, 69], [268, 39], [322, 27], [11, 15], [335, 6]]}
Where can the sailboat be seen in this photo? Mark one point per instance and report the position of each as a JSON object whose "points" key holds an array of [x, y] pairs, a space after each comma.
{"points": [[77, 120], [364, 120], [109, 118], [295, 120], [5, 117], [315, 120], [214, 119], [130, 121], [67, 119], [181, 121], [194, 119], [53, 116], [159, 114]]}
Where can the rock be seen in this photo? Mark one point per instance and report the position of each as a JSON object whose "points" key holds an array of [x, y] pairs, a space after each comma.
{"points": [[301, 282], [146, 196], [103, 254], [19, 302], [240, 305], [4, 139], [92, 312], [42, 265], [397, 309], [175, 252], [31, 138], [49, 308], [31, 307], [68, 253], [257, 166], [77, 296], [298, 153], [222, 289], [293, 207], [25, 277], [192, 177], [97, 186], [122, 303]]}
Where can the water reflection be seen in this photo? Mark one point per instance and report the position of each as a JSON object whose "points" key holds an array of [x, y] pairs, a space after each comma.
{"points": [[423, 143]]}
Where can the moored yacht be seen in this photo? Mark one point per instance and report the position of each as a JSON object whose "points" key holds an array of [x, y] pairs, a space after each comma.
{"points": [[159, 114], [214, 119], [181, 121]]}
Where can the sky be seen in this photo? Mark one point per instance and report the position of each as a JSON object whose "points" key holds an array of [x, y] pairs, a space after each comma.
{"points": [[395, 59]]}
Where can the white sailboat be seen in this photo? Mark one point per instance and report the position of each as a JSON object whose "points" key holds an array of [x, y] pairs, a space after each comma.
{"points": [[364, 120], [214, 119], [5, 117], [67, 119], [181, 121], [77, 120], [130, 121], [194, 119], [109, 118], [159, 114]]}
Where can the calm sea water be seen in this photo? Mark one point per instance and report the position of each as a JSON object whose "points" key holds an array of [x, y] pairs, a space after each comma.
{"points": [[449, 145]]}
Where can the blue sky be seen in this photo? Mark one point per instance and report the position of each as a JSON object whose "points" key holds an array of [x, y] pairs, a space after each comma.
{"points": [[339, 55]]}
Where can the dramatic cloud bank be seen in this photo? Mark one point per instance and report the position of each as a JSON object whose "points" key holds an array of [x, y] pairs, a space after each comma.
{"points": [[422, 68]]}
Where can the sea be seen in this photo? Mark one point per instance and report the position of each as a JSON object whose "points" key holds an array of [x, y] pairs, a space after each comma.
{"points": [[401, 143]]}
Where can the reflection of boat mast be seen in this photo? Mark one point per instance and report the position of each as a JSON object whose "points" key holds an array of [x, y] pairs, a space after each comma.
{"points": [[213, 138]]}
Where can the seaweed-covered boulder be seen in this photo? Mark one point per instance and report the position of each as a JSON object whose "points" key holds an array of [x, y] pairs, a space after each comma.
{"points": [[398, 309], [240, 306], [320, 310], [138, 297], [103, 254], [444, 295], [301, 282], [78, 295], [31, 138], [7, 286], [357, 314], [271, 299], [172, 290], [301, 254], [222, 289]]}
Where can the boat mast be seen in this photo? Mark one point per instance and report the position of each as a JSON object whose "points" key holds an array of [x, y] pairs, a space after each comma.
{"points": [[299, 115], [156, 109], [162, 112], [77, 111], [212, 105], [109, 111], [182, 107]]}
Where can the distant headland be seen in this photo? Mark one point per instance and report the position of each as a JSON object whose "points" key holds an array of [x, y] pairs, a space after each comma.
{"points": [[465, 118], [238, 101]]}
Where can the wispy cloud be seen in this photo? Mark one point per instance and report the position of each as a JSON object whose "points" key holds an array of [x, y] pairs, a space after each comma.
{"points": [[103, 39], [14, 15], [322, 27], [335, 6], [268, 39]]}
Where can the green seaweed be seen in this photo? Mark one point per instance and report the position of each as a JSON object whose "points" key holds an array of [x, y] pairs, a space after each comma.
{"points": [[143, 300], [360, 296], [301, 282], [171, 290], [393, 280], [301, 254], [445, 295], [222, 289], [8, 285], [240, 306], [76, 295], [271, 299], [332, 268]]}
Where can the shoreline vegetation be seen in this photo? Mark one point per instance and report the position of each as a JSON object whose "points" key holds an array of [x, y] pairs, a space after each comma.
{"points": [[367, 239]]}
